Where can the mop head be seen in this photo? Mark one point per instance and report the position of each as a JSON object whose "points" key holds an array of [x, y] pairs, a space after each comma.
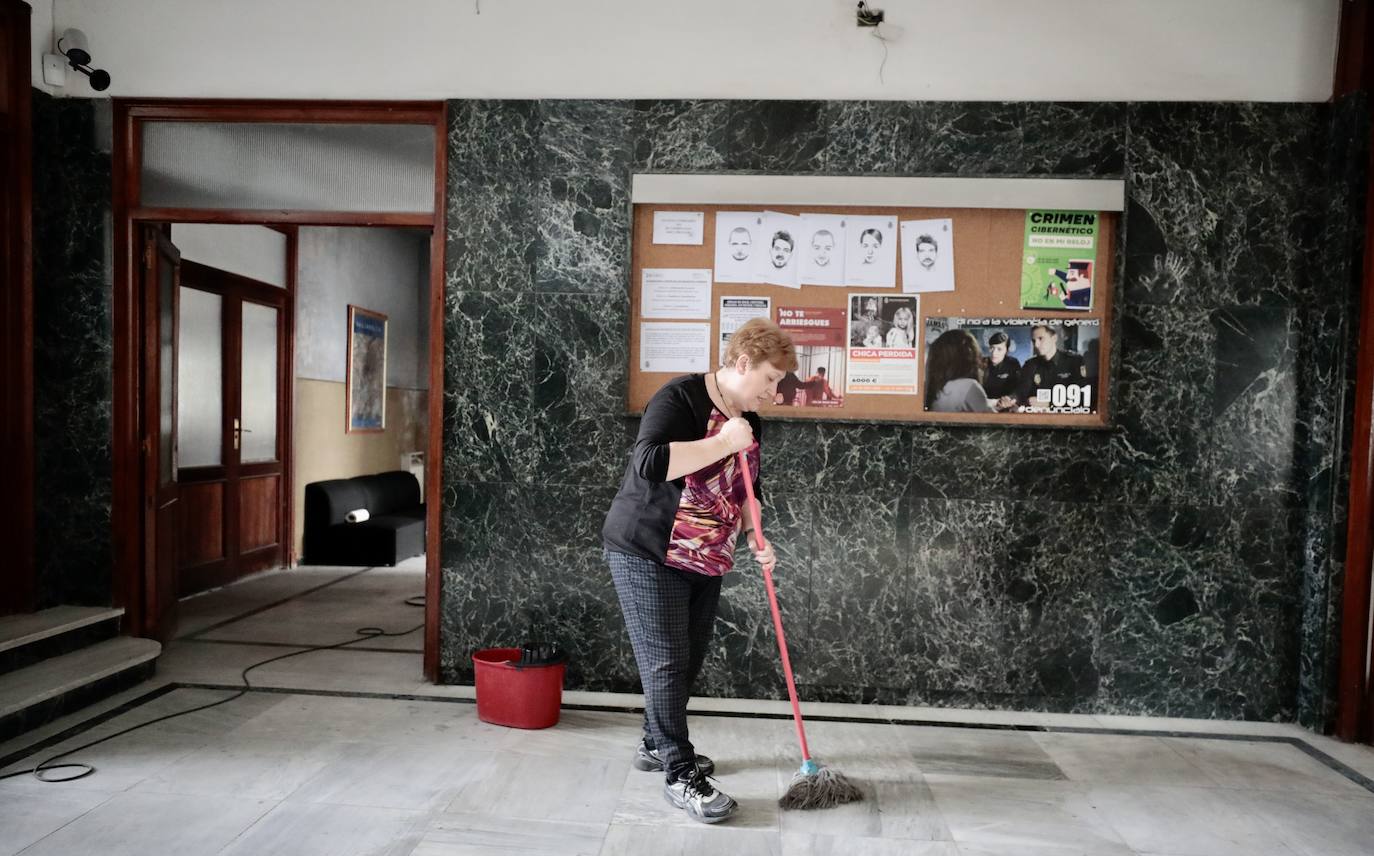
{"points": [[821, 789]]}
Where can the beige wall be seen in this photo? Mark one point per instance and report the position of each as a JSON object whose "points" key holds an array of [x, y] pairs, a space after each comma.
{"points": [[324, 451], [938, 50]]}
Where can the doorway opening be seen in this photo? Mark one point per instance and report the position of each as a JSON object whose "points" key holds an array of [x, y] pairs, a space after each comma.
{"points": [[278, 343]]}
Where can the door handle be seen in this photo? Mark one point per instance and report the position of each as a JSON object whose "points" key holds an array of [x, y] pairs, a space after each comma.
{"points": [[239, 431]]}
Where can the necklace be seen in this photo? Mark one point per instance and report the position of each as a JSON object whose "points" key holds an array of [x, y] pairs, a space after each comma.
{"points": [[720, 393]]}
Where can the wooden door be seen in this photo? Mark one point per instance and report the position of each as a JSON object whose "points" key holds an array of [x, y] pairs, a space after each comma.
{"points": [[161, 274], [1366, 730], [18, 581], [235, 473]]}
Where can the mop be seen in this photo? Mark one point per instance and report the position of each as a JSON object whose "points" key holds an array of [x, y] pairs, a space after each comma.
{"points": [[813, 786]]}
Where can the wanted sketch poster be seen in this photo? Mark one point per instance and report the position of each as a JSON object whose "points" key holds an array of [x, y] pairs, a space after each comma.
{"points": [[882, 344], [1058, 259], [927, 256], [778, 264], [739, 244], [734, 311], [822, 249], [1024, 365], [870, 256], [819, 334]]}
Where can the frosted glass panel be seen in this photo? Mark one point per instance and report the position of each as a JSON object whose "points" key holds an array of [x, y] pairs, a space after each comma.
{"points": [[312, 167], [167, 372], [259, 407], [200, 417], [256, 252]]}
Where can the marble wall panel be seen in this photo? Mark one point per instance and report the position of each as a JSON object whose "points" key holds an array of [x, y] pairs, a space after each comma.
{"points": [[1184, 562], [73, 351], [1179, 563]]}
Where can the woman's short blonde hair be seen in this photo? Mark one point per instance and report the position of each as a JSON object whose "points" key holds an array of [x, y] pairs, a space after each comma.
{"points": [[762, 341]]}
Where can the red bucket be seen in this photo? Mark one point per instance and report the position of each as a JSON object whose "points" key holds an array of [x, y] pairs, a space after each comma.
{"points": [[525, 697]]}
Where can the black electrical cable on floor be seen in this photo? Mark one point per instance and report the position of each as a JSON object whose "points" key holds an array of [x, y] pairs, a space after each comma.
{"points": [[86, 769]]}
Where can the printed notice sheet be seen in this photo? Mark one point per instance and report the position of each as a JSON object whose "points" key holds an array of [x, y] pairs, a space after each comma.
{"points": [[734, 311], [678, 227], [675, 293], [670, 347]]}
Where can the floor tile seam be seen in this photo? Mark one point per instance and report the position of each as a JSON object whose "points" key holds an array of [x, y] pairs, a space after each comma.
{"points": [[274, 605], [295, 800], [34, 844], [147, 786], [1164, 739], [250, 642], [980, 726], [1275, 832], [1297, 846], [1305, 789], [768, 830], [611, 820], [941, 723], [363, 694], [572, 753], [1332, 763], [962, 841], [1092, 809], [243, 832], [1178, 753], [1167, 786], [86, 725], [1247, 814]]}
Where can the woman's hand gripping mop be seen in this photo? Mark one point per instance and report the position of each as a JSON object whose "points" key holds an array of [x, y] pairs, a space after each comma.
{"points": [[813, 786]]}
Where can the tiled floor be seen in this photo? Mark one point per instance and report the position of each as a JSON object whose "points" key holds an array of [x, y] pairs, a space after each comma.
{"points": [[333, 770]]}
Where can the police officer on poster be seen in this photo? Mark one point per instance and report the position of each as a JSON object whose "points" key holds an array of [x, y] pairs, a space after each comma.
{"points": [[1001, 371], [1051, 366]]}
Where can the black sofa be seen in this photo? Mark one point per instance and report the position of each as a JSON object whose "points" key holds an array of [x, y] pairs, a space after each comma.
{"points": [[394, 530]]}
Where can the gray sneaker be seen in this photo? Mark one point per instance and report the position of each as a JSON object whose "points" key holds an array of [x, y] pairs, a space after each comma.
{"points": [[649, 760], [703, 802]]}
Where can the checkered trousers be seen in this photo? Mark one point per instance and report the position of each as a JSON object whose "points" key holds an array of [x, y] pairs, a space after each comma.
{"points": [[670, 615]]}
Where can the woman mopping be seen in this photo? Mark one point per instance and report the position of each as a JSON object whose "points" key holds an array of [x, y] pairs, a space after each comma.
{"points": [[670, 536]]}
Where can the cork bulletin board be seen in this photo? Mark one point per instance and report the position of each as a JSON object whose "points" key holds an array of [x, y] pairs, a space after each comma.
{"points": [[989, 244]]}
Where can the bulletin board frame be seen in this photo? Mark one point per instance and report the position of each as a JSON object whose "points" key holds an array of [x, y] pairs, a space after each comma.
{"points": [[988, 249]]}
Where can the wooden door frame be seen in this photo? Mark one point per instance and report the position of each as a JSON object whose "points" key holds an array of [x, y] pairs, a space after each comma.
{"points": [[228, 286], [158, 251], [1355, 695], [19, 579], [129, 115]]}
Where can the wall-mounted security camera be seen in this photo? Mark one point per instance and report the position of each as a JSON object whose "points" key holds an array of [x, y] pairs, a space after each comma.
{"points": [[72, 44], [867, 16]]}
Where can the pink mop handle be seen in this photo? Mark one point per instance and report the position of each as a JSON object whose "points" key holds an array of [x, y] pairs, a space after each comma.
{"points": [[759, 543]]}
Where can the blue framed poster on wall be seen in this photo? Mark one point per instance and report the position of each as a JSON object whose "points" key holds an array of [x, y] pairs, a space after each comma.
{"points": [[366, 374]]}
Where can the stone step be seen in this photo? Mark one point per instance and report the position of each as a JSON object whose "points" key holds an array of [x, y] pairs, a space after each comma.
{"points": [[40, 693], [37, 636]]}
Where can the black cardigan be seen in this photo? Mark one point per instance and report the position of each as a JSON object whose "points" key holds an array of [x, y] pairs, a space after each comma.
{"points": [[641, 517]]}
